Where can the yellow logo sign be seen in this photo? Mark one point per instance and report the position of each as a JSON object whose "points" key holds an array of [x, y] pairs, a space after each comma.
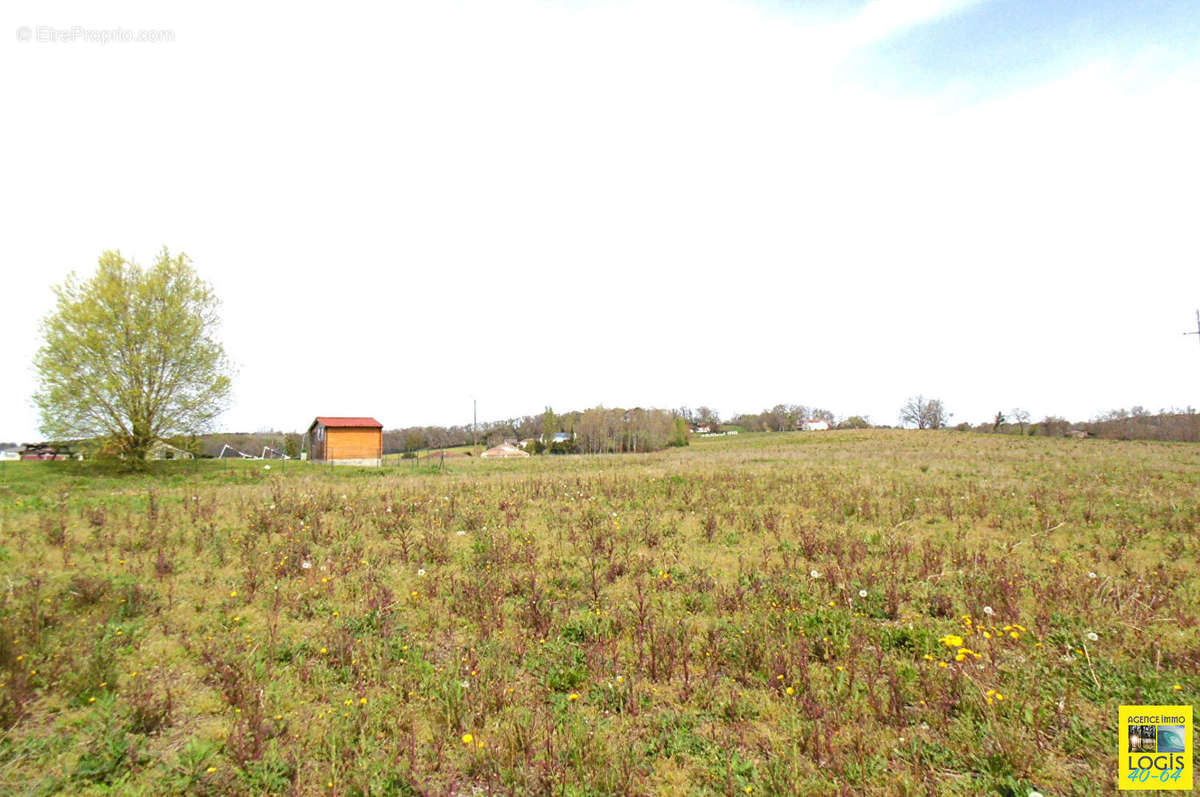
{"points": [[1154, 747]]}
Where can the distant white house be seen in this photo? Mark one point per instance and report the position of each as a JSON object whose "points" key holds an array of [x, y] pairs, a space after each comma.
{"points": [[8, 455], [702, 429], [812, 425], [563, 437]]}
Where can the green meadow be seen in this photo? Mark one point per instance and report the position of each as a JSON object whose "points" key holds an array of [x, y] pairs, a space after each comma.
{"points": [[866, 612]]}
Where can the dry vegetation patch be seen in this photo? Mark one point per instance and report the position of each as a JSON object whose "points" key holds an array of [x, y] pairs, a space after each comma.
{"points": [[877, 612]]}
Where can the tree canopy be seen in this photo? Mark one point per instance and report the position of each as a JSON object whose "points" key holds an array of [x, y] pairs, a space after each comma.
{"points": [[131, 356], [924, 413]]}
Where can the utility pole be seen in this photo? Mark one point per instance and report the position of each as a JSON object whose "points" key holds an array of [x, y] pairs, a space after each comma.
{"points": [[474, 425], [1197, 332]]}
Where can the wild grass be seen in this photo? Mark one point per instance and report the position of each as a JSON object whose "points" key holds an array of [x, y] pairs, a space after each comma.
{"points": [[776, 614]]}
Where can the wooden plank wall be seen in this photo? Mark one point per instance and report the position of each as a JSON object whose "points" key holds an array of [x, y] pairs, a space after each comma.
{"points": [[346, 443]]}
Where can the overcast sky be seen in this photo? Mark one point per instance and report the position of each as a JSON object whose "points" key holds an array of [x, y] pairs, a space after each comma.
{"points": [[404, 206]]}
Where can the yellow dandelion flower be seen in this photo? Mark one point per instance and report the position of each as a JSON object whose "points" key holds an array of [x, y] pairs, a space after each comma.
{"points": [[791, 690], [467, 738], [573, 696], [952, 641]]}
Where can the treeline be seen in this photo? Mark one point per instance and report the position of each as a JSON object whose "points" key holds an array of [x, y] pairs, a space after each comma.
{"points": [[1136, 423], [593, 431], [606, 431], [787, 417], [1140, 424], [610, 430]]}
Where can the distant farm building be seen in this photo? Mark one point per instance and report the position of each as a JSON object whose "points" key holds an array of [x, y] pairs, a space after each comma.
{"points": [[164, 450], [47, 451], [345, 441], [504, 451], [813, 425]]}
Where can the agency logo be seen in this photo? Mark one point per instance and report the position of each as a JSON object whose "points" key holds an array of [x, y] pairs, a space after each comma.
{"points": [[1154, 745]]}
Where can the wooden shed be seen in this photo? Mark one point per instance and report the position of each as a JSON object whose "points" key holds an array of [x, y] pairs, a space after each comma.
{"points": [[345, 441]]}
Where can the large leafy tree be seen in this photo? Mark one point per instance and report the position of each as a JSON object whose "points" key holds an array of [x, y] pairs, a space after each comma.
{"points": [[131, 355]]}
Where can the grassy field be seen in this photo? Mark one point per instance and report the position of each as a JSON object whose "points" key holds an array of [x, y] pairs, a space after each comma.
{"points": [[875, 612]]}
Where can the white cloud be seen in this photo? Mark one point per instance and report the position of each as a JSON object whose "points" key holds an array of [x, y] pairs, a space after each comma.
{"points": [[881, 19]]}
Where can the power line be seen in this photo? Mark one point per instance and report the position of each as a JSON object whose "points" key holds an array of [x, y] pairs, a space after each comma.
{"points": [[1197, 332]]}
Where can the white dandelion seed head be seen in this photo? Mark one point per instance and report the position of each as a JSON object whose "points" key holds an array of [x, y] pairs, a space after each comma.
{"points": [[421, 572], [815, 573], [307, 565], [1092, 575], [266, 467], [989, 611], [1093, 636], [862, 593]]}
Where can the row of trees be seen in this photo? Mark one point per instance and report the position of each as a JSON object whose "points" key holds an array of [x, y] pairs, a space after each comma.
{"points": [[1136, 423], [606, 431], [596, 430], [782, 418]]}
